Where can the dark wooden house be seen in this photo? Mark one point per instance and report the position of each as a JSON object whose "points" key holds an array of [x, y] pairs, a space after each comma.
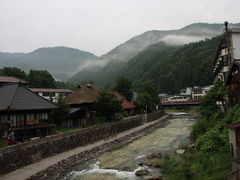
{"points": [[81, 102], [233, 83], [23, 113]]}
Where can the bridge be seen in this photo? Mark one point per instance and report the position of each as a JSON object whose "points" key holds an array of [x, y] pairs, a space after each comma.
{"points": [[181, 103]]}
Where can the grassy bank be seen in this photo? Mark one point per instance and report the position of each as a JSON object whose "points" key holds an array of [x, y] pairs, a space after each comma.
{"points": [[196, 166], [210, 158]]}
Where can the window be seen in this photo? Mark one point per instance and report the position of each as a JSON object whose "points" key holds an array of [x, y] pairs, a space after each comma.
{"points": [[30, 116], [42, 116], [3, 119], [13, 120], [20, 120]]}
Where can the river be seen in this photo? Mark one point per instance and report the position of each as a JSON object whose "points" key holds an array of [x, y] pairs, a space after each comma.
{"points": [[123, 163]]}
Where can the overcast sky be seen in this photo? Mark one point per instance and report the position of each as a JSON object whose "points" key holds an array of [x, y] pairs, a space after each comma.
{"points": [[100, 25]]}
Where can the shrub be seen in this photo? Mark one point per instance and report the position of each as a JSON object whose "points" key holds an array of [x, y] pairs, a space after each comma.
{"points": [[199, 128], [210, 143]]}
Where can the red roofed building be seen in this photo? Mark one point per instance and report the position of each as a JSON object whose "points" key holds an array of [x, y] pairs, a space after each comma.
{"points": [[126, 105]]}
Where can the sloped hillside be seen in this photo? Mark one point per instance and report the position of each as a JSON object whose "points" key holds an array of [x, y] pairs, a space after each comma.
{"points": [[107, 67], [61, 62], [171, 68]]}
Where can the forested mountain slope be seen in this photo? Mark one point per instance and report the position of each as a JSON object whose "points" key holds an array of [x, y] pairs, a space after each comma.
{"points": [[171, 68], [61, 62], [107, 67]]}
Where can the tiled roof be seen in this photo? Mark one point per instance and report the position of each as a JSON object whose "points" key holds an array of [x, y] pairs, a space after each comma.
{"points": [[7, 79], [50, 90], [16, 97], [125, 104]]}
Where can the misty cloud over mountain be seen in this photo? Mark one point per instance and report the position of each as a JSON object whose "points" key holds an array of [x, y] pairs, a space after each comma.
{"points": [[95, 70], [61, 62], [76, 65]]}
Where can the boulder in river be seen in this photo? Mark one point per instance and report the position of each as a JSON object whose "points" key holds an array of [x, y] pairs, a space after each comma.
{"points": [[180, 151], [142, 172], [127, 168], [155, 155], [154, 163]]}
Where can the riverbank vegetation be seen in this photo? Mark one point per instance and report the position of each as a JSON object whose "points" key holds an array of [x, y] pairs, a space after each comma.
{"points": [[3, 143], [210, 159]]}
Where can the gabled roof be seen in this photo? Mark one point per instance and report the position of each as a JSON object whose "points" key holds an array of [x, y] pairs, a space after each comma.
{"points": [[234, 66], [6, 79], [13, 96], [51, 90], [125, 104], [85, 94]]}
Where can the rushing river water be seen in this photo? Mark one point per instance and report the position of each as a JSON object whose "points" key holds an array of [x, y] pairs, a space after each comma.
{"points": [[123, 163]]}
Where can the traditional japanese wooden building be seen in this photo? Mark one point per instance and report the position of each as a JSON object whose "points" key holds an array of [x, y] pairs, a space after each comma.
{"points": [[233, 83], [24, 113], [81, 102]]}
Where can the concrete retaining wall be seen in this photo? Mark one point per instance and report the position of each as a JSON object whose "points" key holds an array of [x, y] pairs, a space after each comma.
{"points": [[20, 155]]}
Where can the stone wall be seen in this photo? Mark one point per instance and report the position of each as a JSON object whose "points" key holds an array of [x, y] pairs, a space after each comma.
{"points": [[13, 157], [153, 116]]}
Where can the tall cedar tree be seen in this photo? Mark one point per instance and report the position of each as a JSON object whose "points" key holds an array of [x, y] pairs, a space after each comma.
{"points": [[41, 79], [124, 87], [15, 72], [107, 105]]}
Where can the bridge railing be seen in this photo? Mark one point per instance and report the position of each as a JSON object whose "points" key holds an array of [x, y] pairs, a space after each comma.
{"points": [[181, 102]]}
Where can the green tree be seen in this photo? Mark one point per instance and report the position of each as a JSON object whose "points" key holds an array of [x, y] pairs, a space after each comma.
{"points": [[107, 105], [124, 87], [208, 105], [15, 72], [41, 79], [65, 85], [145, 100]]}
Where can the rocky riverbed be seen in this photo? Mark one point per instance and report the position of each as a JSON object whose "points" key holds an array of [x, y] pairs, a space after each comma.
{"points": [[135, 160]]}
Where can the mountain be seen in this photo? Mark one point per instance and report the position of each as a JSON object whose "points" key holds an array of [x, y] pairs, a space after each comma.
{"points": [[171, 68], [61, 62], [8, 56], [108, 67]]}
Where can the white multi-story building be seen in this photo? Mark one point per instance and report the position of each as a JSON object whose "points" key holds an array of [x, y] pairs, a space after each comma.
{"points": [[198, 92], [52, 94], [228, 51]]}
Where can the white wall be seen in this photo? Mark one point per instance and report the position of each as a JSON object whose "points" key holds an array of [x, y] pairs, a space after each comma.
{"points": [[232, 140], [236, 45]]}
